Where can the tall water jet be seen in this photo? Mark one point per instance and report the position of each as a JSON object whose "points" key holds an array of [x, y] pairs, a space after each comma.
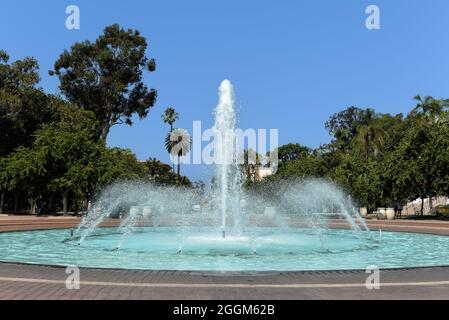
{"points": [[278, 218], [225, 154]]}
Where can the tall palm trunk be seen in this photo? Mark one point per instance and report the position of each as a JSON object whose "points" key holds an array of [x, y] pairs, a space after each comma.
{"points": [[422, 205], [179, 165], [173, 164]]}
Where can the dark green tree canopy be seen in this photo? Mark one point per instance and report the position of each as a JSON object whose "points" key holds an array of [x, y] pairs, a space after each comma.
{"points": [[105, 77], [24, 108], [343, 125], [346, 125], [19, 74], [379, 159], [291, 151]]}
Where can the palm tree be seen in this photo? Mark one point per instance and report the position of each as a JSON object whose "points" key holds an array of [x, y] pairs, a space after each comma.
{"points": [[170, 116], [430, 108], [177, 143]]}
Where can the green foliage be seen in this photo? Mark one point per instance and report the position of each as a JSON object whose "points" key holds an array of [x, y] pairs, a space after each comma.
{"points": [[65, 156], [419, 167], [24, 170], [291, 151], [161, 174], [343, 125], [49, 146], [61, 156], [378, 158], [119, 164], [52, 146], [23, 107], [105, 77], [428, 108]]}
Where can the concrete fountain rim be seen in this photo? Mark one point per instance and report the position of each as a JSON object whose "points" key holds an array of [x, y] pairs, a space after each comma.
{"points": [[218, 273]]}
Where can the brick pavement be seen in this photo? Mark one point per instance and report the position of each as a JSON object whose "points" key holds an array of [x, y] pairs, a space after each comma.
{"points": [[45, 282]]}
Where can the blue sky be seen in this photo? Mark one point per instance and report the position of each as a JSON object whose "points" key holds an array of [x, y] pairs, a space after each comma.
{"points": [[292, 62]]}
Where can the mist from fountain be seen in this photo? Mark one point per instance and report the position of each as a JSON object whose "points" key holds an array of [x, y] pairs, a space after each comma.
{"points": [[234, 215]]}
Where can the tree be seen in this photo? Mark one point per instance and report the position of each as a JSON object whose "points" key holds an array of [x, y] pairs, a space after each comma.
{"points": [[21, 74], [64, 157], [317, 164], [353, 159], [291, 151], [72, 156], [377, 158], [23, 107], [177, 144], [15, 77], [170, 116], [119, 164], [160, 173], [370, 136], [24, 171], [105, 77], [343, 126], [419, 167], [393, 129], [359, 176], [428, 108]]}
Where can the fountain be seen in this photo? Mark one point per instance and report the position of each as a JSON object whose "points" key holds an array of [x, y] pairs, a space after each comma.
{"points": [[299, 224], [228, 178], [224, 226]]}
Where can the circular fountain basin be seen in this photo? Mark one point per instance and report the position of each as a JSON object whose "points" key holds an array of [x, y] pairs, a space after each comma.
{"points": [[202, 249]]}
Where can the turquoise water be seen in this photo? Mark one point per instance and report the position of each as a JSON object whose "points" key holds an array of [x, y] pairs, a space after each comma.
{"points": [[260, 249]]}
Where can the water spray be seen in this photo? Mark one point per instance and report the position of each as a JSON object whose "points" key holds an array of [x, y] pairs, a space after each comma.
{"points": [[227, 168], [311, 198]]}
